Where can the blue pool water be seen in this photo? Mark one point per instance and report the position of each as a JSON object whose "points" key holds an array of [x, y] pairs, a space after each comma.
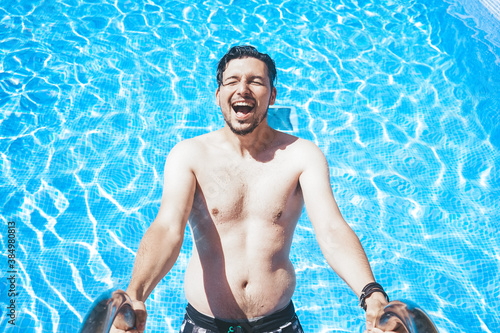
{"points": [[402, 96]]}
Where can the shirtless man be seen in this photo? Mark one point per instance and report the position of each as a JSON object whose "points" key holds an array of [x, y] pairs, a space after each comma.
{"points": [[242, 188]]}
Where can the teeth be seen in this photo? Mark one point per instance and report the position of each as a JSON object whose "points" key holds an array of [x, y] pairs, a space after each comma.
{"points": [[242, 104]]}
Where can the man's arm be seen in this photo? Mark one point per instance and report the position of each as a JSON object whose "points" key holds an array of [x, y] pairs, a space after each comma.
{"points": [[338, 242], [161, 244]]}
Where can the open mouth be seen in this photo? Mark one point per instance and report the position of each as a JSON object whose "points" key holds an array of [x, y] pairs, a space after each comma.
{"points": [[242, 109]]}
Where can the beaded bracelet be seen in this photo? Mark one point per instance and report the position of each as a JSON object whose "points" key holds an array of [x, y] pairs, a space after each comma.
{"points": [[369, 289]]}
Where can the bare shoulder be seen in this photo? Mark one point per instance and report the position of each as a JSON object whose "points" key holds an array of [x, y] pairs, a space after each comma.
{"points": [[190, 151], [185, 152], [303, 149], [307, 147], [300, 153], [187, 146]]}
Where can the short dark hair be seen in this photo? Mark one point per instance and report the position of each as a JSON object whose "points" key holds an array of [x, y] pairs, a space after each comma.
{"points": [[246, 51]]}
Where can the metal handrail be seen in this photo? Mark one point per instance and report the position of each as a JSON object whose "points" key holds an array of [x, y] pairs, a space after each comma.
{"points": [[398, 316], [104, 311], [406, 317]]}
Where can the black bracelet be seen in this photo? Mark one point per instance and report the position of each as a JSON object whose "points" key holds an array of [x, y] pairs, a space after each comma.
{"points": [[369, 289]]}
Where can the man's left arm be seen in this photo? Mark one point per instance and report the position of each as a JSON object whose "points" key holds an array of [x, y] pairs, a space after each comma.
{"points": [[338, 242]]}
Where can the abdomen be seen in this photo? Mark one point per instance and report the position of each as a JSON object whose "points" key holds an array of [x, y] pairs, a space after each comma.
{"points": [[247, 275]]}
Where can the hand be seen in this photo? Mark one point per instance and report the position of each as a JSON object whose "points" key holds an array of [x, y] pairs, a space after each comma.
{"points": [[394, 319], [378, 330], [375, 304], [119, 325], [393, 325]]}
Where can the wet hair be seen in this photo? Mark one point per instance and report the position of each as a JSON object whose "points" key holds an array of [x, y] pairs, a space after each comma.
{"points": [[246, 51]]}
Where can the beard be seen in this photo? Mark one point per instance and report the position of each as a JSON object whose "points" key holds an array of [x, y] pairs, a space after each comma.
{"points": [[247, 130]]}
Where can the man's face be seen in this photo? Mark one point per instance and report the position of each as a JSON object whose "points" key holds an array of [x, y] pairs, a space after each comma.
{"points": [[245, 94]]}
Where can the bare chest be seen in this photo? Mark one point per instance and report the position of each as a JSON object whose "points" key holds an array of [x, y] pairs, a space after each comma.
{"points": [[231, 191]]}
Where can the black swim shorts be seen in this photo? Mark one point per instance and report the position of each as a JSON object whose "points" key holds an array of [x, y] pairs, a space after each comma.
{"points": [[283, 321]]}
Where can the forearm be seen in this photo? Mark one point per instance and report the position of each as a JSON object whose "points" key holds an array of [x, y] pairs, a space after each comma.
{"points": [[157, 253], [344, 253]]}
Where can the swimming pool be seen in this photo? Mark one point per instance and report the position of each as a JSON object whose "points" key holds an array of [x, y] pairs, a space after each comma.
{"points": [[402, 96]]}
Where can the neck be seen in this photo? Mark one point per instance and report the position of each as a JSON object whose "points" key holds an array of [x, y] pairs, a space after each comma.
{"points": [[253, 143]]}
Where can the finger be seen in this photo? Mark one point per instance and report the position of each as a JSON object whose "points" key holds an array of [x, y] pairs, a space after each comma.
{"points": [[119, 324], [114, 329], [372, 317], [376, 330], [140, 315], [370, 320]]}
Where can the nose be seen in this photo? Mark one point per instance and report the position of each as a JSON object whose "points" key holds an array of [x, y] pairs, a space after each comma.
{"points": [[243, 88]]}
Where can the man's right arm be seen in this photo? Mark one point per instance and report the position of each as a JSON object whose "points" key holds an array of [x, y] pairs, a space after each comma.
{"points": [[161, 244]]}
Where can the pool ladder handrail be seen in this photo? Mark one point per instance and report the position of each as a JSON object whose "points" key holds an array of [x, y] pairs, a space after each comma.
{"points": [[104, 311], [409, 316]]}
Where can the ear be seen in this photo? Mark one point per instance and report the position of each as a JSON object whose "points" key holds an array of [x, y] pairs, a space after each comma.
{"points": [[217, 100], [272, 99]]}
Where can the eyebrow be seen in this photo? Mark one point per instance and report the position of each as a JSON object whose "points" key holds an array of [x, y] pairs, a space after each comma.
{"points": [[250, 78], [231, 77]]}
